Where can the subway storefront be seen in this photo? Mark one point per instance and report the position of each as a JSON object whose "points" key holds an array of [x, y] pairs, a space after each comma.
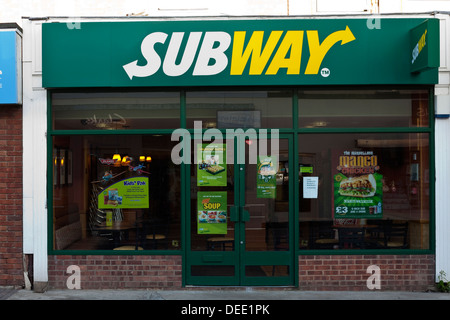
{"points": [[272, 152]]}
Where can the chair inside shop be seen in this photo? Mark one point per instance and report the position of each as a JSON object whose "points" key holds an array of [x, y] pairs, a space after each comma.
{"points": [[153, 234], [277, 235], [351, 238], [395, 236], [322, 235], [375, 233]]}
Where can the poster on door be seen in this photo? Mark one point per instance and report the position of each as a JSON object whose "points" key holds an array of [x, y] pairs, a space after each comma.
{"points": [[125, 194], [358, 185], [266, 177], [212, 212], [211, 165]]}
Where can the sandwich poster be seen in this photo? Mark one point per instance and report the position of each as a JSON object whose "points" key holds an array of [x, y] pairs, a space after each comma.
{"points": [[358, 187], [212, 212], [211, 165], [125, 194]]}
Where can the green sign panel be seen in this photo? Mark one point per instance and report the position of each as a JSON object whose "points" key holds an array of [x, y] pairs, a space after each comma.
{"points": [[212, 212], [211, 165], [125, 194], [424, 46], [231, 53], [306, 168]]}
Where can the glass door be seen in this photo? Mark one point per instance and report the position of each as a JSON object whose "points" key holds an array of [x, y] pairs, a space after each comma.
{"points": [[213, 226], [266, 241], [240, 230]]}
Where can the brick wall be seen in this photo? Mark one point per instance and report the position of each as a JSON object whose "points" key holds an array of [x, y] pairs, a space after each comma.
{"points": [[322, 272], [11, 265], [349, 272], [117, 272]]}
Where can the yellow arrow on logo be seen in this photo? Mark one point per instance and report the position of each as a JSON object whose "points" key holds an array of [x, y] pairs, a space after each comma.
{"points": [[319, 50]]}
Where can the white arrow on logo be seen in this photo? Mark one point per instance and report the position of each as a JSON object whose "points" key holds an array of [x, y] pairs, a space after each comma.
{"points": [[153, 60]]}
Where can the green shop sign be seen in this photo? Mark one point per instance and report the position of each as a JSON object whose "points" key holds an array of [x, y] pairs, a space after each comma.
{"points": [[424, 39], [232, 52]]}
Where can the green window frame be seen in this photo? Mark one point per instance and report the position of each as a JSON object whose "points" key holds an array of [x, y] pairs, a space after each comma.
{"points": [[53, 133], [429, 129], [295, 131]]}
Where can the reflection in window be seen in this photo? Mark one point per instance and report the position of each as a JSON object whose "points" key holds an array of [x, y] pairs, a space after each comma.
{"points": [[239, 109], [115, 110], [373, 191], [115, 193], [363, 108]]}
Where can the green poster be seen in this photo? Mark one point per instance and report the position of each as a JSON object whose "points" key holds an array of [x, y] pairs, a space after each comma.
{"points": [[358, 186], [212, 212], [125, 194], [266, 180], [211, 165]]}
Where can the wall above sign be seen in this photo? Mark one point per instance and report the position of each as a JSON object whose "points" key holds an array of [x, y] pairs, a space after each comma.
{"points": [[232, 53]]}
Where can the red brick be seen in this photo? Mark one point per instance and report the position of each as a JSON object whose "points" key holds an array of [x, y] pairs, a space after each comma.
{"points": [[115, 272], [398, 272], [11, 266]]}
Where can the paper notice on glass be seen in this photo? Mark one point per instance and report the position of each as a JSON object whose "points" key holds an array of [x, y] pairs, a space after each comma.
{"points": [[310, 187]]}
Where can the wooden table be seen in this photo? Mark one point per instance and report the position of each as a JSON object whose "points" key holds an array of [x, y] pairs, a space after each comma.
{"points": [[221, 242], [116, 228]]}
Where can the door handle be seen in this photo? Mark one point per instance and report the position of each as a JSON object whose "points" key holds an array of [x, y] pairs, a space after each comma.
{"points": [[239, 214], [234, 214], [245, 215]]}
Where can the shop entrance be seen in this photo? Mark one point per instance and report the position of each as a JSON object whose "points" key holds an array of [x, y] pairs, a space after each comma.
{"points": [[240, 229]]}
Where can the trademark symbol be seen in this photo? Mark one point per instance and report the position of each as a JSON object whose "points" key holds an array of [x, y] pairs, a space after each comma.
{"points": [[325, 72]]}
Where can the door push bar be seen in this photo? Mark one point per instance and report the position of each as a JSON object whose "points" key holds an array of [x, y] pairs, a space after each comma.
{"points": [[239, 214]]}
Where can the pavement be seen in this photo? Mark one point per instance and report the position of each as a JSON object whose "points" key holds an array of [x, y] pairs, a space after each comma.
{"points": [[192, 294]]}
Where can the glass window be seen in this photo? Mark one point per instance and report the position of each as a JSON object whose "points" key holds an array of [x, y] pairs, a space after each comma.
{"points": [[363, 108], [115, 110], [373, 191], [239, 109], [113, 192]]}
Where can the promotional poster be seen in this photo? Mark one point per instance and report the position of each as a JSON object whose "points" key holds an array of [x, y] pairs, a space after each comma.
{"points": [[266, 180], [212, 212], [125, 194], [211, 166], [358, 188]]}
